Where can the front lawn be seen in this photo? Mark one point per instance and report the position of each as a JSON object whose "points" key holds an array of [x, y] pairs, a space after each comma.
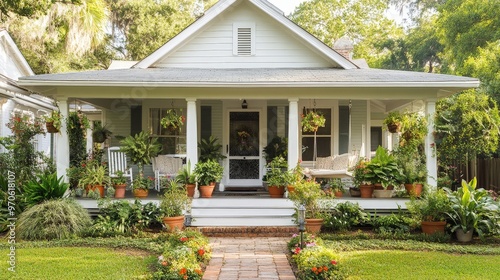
{"points": [[77, 263]]}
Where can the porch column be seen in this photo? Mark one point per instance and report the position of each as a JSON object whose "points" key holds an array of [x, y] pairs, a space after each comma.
{"points": [[293, 132], [430, 154], [191, 133], [61, 145]]}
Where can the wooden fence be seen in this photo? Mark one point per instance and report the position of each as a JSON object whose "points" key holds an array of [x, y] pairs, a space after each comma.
{"points": [[487, 172]]}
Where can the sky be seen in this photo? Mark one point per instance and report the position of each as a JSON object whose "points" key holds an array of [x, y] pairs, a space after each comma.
{"points": [[287, 6]]}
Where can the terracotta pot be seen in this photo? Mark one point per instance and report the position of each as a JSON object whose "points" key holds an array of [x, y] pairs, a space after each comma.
{"points": [[378, 186], [354, 192], [314, 225], [290, 188], [51, 128], [206, 191], [464, 236], [414, 190], [173, 223], [276, 192], [141, 193], [339, 194], [433, 227], [366, 191], [98, 187], [382, 193], [190, 188], [120, 190]]}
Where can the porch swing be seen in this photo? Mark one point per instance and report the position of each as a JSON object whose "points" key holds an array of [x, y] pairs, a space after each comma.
{"points": [[335, 166]]}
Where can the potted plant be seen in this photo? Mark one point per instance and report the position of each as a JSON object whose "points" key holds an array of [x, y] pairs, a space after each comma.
{"points": [[173, 121], [472, 210], [415, 174], [431, 210], [186, 177], [53, 121], [308, 193], [210, 150], [384, 170], [100, 133], [207, 174], [140, 149], [393, 121], [363, 179], [336, 186], [119, 184], [278, 177], [278, 147], [174, 203], [95, 177], [413, 129]]}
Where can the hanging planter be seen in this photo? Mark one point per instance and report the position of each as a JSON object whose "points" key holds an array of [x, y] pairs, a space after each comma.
{"points": [[53, 122], [311, 122], [173, 121], [393, 122]]}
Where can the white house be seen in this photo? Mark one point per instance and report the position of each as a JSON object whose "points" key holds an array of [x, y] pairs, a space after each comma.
{"points": [[15, 98], [247, 51]]}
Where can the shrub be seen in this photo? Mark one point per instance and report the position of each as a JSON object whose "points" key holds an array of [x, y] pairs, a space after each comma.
{"points": [[392, 224], [183, 256], [43, 188], [345, 216], [53, 219], [317, 263], [124, 218]]}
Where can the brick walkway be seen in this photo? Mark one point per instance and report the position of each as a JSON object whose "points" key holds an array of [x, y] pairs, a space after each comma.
{"points": [[248, 258]]}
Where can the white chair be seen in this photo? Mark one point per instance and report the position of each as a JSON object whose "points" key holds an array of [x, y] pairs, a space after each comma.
{"points": [[165, 166], [117, 161]]}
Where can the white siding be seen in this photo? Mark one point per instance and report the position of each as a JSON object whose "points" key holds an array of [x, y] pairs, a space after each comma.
{"points": [[274, 46], [358, 119], [118, 122]]}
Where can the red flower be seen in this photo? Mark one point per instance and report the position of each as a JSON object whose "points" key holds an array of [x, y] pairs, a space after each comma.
{"points": [[183, 271], [296, 251], [184, 239], [334, 262], [164, 263], [201, 252]]}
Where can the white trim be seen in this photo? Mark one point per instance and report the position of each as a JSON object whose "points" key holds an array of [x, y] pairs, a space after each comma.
{"points": [[17, 53], [455, 86]]}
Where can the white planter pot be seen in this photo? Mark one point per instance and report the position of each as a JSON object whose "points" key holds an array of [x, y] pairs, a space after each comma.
{"points": [[464, 236], [382, 193]]}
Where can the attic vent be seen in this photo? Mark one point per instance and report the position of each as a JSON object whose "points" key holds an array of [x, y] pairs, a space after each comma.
{"points": [[243, 39]]}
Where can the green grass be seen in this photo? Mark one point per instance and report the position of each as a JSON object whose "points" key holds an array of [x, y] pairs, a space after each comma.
{"points": [[397, 264], [76, 263], [368, 257]]}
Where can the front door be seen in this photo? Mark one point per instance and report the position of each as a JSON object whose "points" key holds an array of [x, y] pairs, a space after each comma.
{"points": [[244, 152]]}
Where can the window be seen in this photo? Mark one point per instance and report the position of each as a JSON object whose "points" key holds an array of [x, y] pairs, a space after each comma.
{"points": [[323, 139], [244, 39], [173, 142], [376, 137]]}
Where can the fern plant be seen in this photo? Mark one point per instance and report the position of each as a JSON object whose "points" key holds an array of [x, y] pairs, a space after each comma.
{"points": [[43, 188], [140, 149]]}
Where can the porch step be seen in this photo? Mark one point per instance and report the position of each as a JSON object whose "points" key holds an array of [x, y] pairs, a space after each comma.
{"points": [[270, 231], [242, 212]]}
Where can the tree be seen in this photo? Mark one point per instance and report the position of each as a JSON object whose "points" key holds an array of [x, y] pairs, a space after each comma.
{"points": [[362, 21], [68, 37], [467, 124], [156, 22], [28, 8]]}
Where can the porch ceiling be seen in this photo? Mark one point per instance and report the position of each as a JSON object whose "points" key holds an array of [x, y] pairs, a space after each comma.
{"points": [[320, 83]]}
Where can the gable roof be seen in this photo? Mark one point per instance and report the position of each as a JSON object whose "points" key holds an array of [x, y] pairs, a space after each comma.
{"points": [[224, 5], [15, 54]]}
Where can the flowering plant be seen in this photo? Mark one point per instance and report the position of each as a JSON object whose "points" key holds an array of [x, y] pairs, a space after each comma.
{"points": [[362, 174], [312, 121], [24, 125], [172, 120]]}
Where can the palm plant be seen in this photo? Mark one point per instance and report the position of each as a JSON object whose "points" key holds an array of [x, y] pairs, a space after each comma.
{"points": [[140, 149]]}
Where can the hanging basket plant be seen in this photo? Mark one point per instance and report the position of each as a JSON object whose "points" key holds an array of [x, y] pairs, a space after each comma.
{"points": [[53, 122], [312, 121], [173, 121], [393, 122]]}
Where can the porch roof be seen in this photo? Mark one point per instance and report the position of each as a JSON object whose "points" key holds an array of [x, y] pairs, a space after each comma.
{"points": [[261, 77]]}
